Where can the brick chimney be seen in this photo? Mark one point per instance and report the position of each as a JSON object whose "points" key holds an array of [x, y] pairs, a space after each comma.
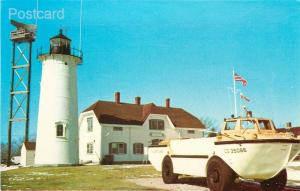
{"points": [[117, 97], [168, 102], [138, 100], [289, 125]]}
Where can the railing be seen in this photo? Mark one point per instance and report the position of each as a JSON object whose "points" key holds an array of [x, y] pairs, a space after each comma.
{"points": [[76, 52], [73, 52], [22, 35]]}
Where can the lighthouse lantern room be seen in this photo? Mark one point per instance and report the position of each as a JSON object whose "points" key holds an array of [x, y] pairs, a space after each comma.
{"points": [[57, 131]]}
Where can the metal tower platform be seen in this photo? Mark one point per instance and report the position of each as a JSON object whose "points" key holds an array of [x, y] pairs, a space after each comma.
{"points": [[22, 39]]}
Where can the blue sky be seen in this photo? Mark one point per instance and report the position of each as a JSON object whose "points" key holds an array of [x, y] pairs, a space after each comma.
{"points": [[184, 50]]}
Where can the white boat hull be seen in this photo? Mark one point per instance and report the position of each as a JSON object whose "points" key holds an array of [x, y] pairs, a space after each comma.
{"points": [[251, 159]]}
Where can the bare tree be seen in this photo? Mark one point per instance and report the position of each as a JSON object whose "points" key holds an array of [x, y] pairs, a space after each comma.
{"points": [[16, 146], [4, 149], [211, 126]]}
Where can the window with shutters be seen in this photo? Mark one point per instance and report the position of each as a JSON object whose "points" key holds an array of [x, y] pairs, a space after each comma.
{"points": [[117, 148], [138, 148], [89, 148], [156, 124], [90, 124]]}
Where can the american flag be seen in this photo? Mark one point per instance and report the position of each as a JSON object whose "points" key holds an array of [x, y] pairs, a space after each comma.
{"points": [[244, 97], [240, 79]]}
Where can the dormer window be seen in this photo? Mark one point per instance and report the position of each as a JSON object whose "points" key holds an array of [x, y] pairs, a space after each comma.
{"points": [[156, 124]]}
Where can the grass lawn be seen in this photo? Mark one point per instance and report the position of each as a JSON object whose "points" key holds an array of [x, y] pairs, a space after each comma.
{"points": [[112, 177]]}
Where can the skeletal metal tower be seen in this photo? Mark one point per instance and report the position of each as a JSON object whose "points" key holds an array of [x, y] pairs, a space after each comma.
{"points": [[22, 39]]}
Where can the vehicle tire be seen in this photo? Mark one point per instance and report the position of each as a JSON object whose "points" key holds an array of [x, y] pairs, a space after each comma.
{"points": [[167, 172], [277, 183], [220, 177]]}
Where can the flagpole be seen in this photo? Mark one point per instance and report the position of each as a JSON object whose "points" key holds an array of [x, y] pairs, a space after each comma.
{"points": [[234, 94]]}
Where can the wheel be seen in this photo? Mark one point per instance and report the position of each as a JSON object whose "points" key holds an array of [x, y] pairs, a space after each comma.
{"points": [[168, 174], [277, 183], [220, 176]]}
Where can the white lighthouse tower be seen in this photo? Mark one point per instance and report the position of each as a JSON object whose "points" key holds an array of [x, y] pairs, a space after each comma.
{"points": [[57, 132]]}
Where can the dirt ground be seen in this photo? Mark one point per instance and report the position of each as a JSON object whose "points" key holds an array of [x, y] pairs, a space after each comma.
{"points": [[189, 183], [183, 185], [199, 184]]}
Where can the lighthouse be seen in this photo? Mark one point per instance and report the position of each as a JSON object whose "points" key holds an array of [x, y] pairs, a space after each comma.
{"points": [[57, 131]]}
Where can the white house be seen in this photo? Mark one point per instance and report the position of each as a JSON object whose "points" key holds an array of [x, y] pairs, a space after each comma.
{"points": [[27, 154], [125, 130]]}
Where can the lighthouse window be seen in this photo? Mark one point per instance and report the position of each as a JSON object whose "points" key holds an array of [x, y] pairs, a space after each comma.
{"points": [[90, 124], [59, 130]]}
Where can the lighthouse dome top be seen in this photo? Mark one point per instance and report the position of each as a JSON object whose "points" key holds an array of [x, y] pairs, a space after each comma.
{"points": [[60, 35], [60, 44]]}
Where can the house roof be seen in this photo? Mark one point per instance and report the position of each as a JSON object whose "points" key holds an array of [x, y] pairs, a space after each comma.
{"points": [[295, 130], [29, 145], [134, 114]]}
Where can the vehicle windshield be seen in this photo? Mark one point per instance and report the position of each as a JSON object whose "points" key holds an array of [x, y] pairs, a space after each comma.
{"points": [[230, 125], [264, 124], [248, 124], [274, 125]]}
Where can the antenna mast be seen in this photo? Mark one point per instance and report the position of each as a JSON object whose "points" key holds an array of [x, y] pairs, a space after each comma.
{"points": [[80, 25], [234, 94]]}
